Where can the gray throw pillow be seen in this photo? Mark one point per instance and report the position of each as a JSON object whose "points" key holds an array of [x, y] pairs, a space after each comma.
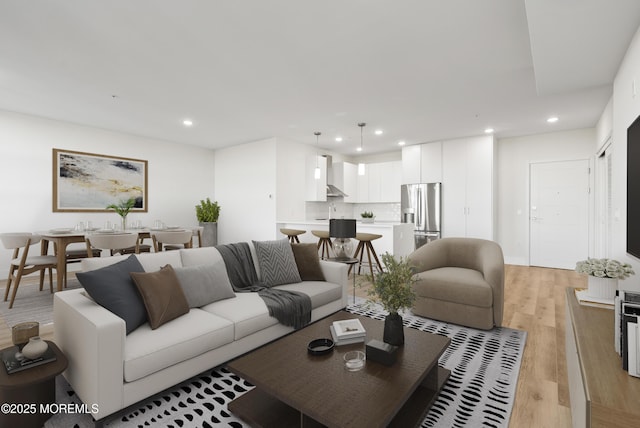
{"points": [[204, 284], [113, 288], [277, 264]]}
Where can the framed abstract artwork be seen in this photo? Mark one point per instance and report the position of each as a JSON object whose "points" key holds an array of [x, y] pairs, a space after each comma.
{"points": [[88, 182]]}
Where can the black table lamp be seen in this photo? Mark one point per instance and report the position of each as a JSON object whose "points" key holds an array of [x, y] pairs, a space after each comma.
{"points": [[342, 230]]}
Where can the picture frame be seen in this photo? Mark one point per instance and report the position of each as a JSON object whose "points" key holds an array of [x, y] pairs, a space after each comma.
{"points": [[89, 182]]}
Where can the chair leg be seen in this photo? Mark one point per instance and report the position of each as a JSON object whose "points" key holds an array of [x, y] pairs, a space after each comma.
{"points": [[295, 237], [368, 245], [41, 278], [51, 279], [9, 280], [375, 257], [15, 288]]}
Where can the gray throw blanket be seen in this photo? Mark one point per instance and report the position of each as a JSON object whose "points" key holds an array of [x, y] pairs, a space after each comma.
{"points": [[288, 307]]}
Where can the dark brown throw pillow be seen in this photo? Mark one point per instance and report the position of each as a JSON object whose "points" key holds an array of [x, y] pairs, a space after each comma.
{"points": [[162, 295], [308, 262]]}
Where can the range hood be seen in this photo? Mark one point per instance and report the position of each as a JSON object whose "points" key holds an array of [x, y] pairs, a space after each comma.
{"points": [[332, 191]]}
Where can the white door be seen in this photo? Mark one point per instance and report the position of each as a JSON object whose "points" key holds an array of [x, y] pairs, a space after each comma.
{"points": [[559, 213]]}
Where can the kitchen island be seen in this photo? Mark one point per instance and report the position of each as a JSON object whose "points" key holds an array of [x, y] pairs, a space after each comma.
{"points": [[397, 238]]}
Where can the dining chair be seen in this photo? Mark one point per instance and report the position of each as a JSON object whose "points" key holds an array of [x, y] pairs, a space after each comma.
{"points": [[142, 247], [178, 237], [23, 264], [197, 232], [75, 255], [111, 242]]}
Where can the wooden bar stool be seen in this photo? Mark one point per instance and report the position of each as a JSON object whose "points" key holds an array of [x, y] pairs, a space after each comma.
{"points": [[324, 241], [364, 242], [292, 234]]}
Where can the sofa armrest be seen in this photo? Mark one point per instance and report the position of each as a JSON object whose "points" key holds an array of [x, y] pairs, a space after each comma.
{"points": [[493, 272], [92, 339], [337, 273], [430, 256]]}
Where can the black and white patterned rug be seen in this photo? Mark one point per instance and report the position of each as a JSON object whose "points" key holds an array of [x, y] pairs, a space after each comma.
{"points": [[480, 391]]}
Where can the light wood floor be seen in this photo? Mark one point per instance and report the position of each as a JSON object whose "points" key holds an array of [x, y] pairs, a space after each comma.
{"points": [[534, 302]]}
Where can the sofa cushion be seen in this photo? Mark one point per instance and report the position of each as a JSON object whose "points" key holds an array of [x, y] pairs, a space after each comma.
{"points": [[162, 295], [148, 351], [113, 288], [247, 311], [277, 264], [307, 261], [204, 284], [454, 284], [152, 262], [320, 292], [199, 256]]}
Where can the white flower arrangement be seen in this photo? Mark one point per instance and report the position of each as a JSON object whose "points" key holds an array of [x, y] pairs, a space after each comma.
{"points": [[605, 268]]}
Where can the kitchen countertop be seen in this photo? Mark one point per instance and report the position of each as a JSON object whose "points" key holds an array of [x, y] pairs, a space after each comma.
{"points": [[325, 222], [395, 237]]}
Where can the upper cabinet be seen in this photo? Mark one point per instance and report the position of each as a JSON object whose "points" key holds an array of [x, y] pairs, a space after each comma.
{"points": [[316, 188], [380, 183], [422, 163], [345, 176]]}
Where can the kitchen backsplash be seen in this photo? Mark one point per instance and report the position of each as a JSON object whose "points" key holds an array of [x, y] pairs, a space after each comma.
{"points": [[339, 209]]}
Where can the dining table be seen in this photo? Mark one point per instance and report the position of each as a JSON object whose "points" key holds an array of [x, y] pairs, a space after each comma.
{"points": [[61, 238]]}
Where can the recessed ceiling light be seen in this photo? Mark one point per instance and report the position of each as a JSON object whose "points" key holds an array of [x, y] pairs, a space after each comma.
{"points": [[359, 149], [552, 119], [401, 143], [378, 131], [338, 139], [489, 131], [187, 122]]}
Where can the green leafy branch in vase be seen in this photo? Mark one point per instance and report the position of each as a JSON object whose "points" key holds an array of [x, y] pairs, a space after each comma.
{"points": [[122, 209]]}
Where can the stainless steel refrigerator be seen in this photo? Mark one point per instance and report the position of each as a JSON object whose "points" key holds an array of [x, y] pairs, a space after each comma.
{"points": [[421, 205]]}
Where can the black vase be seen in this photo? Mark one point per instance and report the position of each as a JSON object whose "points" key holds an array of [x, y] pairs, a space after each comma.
{"points": [[393, 330]]}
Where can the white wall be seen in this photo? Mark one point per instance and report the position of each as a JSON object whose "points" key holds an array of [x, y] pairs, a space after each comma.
{"points": [[604, 127], [179, 175], [514, 157], [245, 177], [626, 107]]}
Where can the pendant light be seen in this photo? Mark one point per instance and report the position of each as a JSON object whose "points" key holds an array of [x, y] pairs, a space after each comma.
{"points": [[361, 167], [317, 172]]}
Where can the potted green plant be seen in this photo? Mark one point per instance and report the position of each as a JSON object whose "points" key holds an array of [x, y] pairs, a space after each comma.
{"points": [[207, 213], [367, 216], [393, 289], [122, 209]]}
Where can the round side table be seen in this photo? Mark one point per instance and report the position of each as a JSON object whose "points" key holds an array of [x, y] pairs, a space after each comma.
{"points": [[29, 388]]}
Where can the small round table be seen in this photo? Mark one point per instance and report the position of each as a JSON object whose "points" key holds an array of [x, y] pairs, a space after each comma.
{"points": [[351, 262], [22, 393]]}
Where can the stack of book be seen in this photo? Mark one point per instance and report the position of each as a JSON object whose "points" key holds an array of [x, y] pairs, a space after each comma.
{"points": [[346, 332], [14, 365]]}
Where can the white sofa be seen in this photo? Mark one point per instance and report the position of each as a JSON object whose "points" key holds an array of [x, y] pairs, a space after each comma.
{"points": [[115, 370]]}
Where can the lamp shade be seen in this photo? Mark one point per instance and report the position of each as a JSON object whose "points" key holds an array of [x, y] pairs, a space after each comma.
{"points": [[342, 228]]}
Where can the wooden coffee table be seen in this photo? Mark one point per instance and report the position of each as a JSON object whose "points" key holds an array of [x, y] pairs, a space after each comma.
{"points": [[294, 388]]}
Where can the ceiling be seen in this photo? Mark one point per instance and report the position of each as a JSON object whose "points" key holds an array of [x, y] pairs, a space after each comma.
{"points": [[245, 70]]}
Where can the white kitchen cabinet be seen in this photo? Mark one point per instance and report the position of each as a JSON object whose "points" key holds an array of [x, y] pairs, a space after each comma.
{"points": [[345, 178], [316, 189], [411, 164], [431, 163], [422, 163], [381, 183], [468, 187]]}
